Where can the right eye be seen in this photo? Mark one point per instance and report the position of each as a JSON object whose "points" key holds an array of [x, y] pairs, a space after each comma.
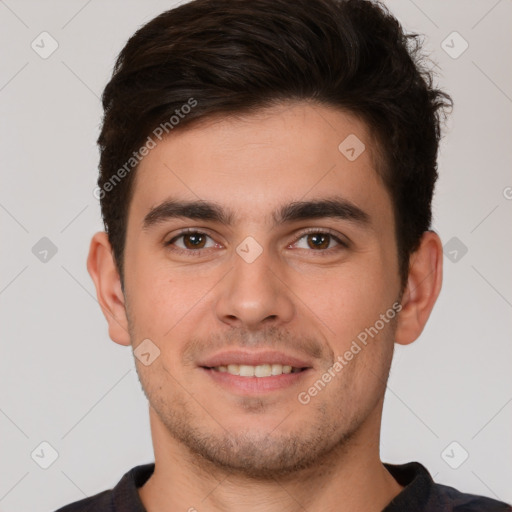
{"points": [[191, 241]]}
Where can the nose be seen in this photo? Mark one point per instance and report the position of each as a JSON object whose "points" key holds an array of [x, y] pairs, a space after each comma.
{"points": [[254, 295]]}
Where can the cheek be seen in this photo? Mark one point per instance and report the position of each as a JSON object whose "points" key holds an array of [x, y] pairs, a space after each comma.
{"points": [[164, 301], [348, 298]]}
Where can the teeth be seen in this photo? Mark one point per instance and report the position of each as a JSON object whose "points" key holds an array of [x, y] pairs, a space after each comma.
{"points": [[246, 371], [277, 369], [261, 370], [233, 369]]}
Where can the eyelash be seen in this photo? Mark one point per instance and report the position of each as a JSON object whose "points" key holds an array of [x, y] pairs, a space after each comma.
{"points": [[199, 252]]}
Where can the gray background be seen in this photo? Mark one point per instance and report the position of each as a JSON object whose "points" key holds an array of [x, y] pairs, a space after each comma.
{"points": [[63, 382]]}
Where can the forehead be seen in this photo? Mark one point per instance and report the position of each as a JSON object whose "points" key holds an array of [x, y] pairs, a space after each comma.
{"points": [[255, 163]]}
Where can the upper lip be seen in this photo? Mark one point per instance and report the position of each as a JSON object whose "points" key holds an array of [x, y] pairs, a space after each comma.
{"points": [[253, 359]]}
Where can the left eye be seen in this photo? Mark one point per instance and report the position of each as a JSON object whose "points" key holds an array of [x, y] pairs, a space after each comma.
{"points": [[318, 240]]}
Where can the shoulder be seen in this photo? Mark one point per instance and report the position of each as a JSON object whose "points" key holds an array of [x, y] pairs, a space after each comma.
{"points": [[421, 493], [445, 498], [123, 497], [101, 502]]}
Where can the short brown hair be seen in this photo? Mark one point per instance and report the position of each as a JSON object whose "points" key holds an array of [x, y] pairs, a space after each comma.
{"points": [[238, 56]]}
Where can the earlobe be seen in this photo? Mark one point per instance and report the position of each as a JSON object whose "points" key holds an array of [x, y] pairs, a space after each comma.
{"points": [[422, 289], [103, 271]]}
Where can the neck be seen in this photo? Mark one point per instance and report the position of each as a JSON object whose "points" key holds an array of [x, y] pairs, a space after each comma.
{"points": [[349, 478]]}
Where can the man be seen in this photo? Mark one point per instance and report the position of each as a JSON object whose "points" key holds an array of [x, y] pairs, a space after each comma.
{"points": [[266, 178]]}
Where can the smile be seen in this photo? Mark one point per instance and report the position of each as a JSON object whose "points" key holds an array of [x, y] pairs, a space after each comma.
{"points": [[261, 370]]}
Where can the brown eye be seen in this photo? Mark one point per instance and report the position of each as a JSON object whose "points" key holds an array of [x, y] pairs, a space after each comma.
{"points": [[194, 241], [318, 240]]}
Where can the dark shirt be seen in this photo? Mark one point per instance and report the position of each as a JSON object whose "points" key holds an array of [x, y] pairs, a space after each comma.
{"points": [[420, 494]]}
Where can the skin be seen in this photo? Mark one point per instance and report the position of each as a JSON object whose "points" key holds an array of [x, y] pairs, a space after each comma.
{"points": [[216, 449]]}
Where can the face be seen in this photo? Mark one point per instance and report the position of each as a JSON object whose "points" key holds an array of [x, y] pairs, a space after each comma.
{"points": [[261, 263]]}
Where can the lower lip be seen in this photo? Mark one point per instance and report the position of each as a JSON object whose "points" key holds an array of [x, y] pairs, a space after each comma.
{"points": [[255, 385]]}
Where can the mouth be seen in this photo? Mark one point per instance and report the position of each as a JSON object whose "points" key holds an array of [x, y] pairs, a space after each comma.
{"points": [[253, 373], [258, 371]]}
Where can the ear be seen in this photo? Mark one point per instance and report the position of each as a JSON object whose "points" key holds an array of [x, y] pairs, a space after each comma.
{"points": [[103, 270], [422, 289]]}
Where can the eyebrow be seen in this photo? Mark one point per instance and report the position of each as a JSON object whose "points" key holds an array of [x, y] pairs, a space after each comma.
{"points": [[335, 208]]}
